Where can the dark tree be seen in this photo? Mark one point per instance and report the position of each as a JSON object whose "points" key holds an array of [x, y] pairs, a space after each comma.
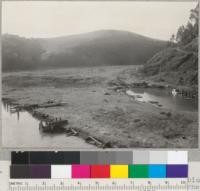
{"points": [[186, 34]]}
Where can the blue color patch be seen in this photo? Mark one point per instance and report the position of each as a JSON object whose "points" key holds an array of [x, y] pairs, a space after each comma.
{"points": [[157, 171]]}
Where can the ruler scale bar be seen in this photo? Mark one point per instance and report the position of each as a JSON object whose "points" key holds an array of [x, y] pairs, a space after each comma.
{"points": [[99, 185]]}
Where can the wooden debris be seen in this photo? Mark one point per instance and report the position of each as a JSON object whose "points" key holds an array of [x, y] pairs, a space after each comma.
{"points": [[107, 93], [94, 141], [71, 132], [53, 126], [46, 105], [154, 102], [34, 106]]}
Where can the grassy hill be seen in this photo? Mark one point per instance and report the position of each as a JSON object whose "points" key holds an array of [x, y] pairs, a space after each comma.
{"points": [[175, 65], [98, 48]]}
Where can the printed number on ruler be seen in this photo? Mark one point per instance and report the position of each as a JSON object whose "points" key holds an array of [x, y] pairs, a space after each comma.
{"points": [[99, 185]]}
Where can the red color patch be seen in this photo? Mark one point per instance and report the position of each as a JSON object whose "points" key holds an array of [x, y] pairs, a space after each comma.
{"points": [[100, 171]]}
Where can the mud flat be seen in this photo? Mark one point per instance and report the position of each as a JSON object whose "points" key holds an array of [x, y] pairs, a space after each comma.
{"points": [[97, 106]]}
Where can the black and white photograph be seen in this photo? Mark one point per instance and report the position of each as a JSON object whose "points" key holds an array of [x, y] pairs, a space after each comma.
{"points": [[99, 74]]}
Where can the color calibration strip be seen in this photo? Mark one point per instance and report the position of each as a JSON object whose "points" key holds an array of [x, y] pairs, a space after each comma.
{"points": [[98, 171], [118, 164]]}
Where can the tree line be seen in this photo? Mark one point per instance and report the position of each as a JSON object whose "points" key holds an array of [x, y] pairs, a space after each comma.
{"points": [[187, 33]]}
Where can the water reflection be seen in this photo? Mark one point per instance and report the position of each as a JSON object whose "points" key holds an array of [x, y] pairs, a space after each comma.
{"points": [[20, 129], [163, 98]]}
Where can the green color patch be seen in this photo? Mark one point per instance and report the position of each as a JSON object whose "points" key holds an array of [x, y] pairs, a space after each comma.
{"points": [[138, 171]]}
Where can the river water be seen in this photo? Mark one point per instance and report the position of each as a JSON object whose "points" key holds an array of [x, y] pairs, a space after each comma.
{"points": [[22, 130], [164, 99]]}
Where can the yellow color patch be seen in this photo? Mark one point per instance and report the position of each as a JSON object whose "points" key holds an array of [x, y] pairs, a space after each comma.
{"points": [[119, 171]]}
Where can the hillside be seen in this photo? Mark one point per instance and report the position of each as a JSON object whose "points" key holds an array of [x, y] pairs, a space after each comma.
{"points": [[175, 65], [178, 64], [99, 48]]}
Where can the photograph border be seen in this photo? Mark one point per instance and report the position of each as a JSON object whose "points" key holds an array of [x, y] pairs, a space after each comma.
{"points": [[97, 149]]}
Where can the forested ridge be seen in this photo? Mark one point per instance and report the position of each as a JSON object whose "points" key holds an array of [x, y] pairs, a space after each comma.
{"points": [[178, 62]]}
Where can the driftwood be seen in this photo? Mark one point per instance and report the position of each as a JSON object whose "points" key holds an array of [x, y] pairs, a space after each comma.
{"points": [[154, 102], [98, 143], [94, 141], [34, 106], [46, 105], [71, 132]]}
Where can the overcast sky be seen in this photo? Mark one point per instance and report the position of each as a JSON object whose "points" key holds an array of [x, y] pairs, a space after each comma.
{"points": [[49, 19]]}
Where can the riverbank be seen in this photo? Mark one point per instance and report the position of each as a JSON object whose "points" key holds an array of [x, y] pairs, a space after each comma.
{"points": [[95, 106]]}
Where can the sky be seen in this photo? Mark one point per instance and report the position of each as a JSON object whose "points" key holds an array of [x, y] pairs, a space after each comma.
{"points": [[46, 19]]}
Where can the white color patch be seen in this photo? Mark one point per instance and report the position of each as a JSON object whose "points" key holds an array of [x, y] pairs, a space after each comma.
{"points": [[177, 157], [61, 171]]}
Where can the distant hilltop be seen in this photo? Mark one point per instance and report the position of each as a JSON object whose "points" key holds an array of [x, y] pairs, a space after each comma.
{"points": [[98, 48]]}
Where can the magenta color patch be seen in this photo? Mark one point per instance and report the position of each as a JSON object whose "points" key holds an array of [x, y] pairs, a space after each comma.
{"points": [[80, 171]]}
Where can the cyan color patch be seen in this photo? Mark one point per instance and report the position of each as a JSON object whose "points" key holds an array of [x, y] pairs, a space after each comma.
{"points": [[157, 171]]}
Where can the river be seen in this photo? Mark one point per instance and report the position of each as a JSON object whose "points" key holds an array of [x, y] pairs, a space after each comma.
{"points": [[163, 98], [22, 130]]}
